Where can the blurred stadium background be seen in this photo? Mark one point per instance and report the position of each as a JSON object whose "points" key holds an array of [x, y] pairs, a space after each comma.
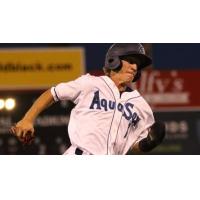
{"points": [[170, 86]]}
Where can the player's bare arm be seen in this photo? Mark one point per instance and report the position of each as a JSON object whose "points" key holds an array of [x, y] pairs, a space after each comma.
{"points": [[24, 129], [155, 137], [112, 104]]}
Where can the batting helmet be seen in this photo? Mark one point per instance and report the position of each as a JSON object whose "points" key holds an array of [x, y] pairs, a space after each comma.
{"points": [[116, 51]]}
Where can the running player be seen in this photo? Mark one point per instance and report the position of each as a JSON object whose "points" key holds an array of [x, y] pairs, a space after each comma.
{"points": [[109, 116]]}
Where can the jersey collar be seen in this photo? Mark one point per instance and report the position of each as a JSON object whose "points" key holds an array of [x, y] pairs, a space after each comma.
{"points": [[112, 84]]}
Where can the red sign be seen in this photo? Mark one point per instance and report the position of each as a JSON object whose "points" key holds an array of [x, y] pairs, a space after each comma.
{"points": [[171, 89]]}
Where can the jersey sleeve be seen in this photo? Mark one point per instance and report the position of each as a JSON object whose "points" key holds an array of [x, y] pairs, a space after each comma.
{"points": [[146, 123], [143, 127], [70, 90]]}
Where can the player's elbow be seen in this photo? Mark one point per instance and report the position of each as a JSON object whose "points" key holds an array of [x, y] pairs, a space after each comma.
{"points": [[155, 137]]}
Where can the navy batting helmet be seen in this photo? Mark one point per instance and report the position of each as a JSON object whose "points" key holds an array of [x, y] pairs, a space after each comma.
{"points": [[116, 51]]}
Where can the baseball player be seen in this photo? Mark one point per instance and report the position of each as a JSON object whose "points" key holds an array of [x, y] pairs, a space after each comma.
{"points": [[109, 117]]}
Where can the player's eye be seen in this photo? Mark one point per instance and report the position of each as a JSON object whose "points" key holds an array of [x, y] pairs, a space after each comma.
{"points": [[130, 59], [131, 62]]}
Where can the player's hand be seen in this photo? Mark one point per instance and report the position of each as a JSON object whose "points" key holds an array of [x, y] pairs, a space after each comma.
{"points": [[24, 131], [157, 133]]}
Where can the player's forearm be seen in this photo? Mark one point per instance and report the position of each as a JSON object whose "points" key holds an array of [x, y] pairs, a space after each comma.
{"points": [[155, 137], [43, 102]]}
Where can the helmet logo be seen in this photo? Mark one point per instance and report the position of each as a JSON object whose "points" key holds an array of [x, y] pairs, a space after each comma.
{"points": [[141, 49]]}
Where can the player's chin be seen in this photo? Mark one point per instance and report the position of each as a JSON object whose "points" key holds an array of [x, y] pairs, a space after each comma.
{"points": [[130, 79]]}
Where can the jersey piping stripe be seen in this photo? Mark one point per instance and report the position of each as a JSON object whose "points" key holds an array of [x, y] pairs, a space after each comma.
{"points": [[113, 113], [128, 131], [56, 94], [128, 126], [133, 98], [118, 130]]}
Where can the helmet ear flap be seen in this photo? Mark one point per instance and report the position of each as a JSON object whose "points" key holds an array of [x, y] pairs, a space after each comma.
{"points": [[137, 76], [113, 62]]}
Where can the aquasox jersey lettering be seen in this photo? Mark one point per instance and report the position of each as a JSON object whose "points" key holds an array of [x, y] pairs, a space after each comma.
{"points": [[104, 121], [108, 104]]}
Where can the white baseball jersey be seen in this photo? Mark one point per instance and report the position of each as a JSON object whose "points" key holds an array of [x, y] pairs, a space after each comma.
{"points": [[104, 121]]}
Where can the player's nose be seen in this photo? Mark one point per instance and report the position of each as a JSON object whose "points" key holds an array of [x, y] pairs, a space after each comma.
{"points": [[133, 68]]}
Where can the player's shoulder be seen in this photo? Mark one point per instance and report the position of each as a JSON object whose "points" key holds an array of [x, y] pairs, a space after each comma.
{"points": [[88, 76], [142, 103], [88, 81]]}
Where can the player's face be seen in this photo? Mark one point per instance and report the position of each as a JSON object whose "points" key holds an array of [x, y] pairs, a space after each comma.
{"points": [[128, 70]]}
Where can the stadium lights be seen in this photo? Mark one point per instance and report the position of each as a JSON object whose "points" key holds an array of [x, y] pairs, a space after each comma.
{"points": [[8, 104], [2, 104]]}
